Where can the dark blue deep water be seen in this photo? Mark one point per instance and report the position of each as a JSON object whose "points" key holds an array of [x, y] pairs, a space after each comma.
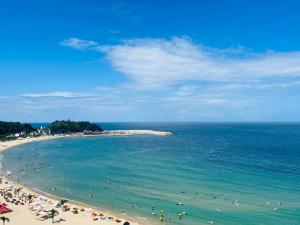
{"points": [[228, 173]]}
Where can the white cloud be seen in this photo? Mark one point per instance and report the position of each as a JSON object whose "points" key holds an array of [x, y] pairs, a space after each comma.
{"points": [[78, 44], [170, 78], [186, 90], [156, 63], [63, 94], [160, 62], [217, 101], [280, 85]]}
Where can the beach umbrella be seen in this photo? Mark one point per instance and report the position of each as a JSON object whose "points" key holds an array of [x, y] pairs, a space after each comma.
{"points": [[126, 223], [180, 216]]}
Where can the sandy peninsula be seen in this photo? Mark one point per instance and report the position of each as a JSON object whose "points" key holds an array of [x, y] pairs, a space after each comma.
{"points": [[31, 213], [135, 132]]}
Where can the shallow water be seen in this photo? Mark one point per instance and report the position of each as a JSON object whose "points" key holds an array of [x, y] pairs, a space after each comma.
{"points": [[205, 166]]}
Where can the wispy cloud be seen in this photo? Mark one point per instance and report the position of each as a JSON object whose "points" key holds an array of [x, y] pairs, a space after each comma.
{"points": [[78, 44], [161, 62], [186, 90], [63, 94], [152, 62], [179, 79]]}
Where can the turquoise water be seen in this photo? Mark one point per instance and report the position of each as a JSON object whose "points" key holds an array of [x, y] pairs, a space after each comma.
{"points": [[227, 173]]}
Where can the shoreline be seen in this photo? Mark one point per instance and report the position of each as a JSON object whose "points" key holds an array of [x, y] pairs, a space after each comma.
{"points": [[5, 146]]}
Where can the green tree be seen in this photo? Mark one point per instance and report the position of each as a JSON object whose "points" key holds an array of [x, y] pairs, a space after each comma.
{"points": [[53, 213], [68, 126], [7, 128], [4, 219]]}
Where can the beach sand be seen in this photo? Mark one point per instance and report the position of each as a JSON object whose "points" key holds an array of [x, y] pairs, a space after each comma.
{"points": [[21, 214]]}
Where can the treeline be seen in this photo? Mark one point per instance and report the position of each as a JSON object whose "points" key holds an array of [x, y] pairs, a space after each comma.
{"points": [[7, 128], [67, 126]]}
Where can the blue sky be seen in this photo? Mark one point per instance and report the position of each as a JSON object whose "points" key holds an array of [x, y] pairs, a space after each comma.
{"points": [[150, 60]]}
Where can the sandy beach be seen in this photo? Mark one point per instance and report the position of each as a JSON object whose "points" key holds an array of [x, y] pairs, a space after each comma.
{"points": [[26, 212]]}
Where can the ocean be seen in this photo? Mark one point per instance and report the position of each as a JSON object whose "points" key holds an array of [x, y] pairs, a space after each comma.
{"points": [[227, 173]]}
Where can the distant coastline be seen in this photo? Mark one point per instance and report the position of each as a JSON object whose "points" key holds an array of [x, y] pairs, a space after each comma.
{"points": [[18, 131]]}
